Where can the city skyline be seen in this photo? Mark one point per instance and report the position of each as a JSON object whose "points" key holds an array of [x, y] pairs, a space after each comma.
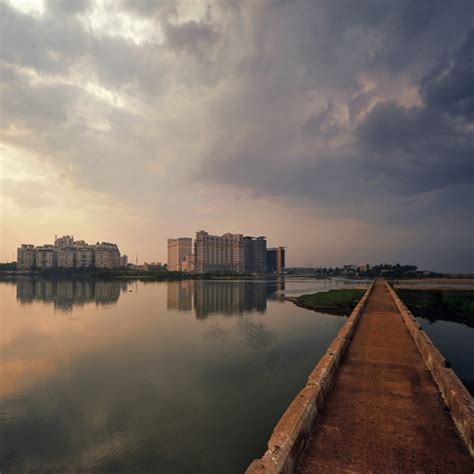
{"points": [[67, 253], [342, 129]]}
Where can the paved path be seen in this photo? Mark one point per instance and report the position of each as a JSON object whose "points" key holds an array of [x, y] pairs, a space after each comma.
{"points": [[384, 413]]}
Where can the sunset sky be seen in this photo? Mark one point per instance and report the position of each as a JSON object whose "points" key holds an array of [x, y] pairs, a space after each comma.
{"points": [[341, 129]]}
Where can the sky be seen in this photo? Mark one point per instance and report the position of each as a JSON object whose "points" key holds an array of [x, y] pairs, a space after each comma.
{"points": [[343, 130]]}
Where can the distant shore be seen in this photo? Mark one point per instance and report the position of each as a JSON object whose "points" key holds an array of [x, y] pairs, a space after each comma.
{"points": [[145, 275], [434, 283]]}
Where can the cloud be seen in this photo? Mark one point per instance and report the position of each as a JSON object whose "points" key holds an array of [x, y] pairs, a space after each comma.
{"points": [[68, 7], [347, 110], [193, 37], [449, 86]]}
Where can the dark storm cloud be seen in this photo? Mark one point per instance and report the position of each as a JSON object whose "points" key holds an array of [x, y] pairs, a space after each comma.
{"points": [[145, 8], [449, 86], [68, 7], [192, 37], [416, 149], [391, 151]]}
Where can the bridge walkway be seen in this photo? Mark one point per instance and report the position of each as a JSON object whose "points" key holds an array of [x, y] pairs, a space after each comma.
{"points": [[384, 413]]}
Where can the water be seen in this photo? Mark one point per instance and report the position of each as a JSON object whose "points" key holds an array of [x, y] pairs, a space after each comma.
{"points": [[172, 377], [455, 341], [150, 377]]}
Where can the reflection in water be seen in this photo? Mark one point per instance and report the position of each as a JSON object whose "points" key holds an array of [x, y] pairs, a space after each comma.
{"points": [[228, 297], [256, 335], [180, 295], [275, 288], [221, 297], [207, 297], [64, 294], [133, 388]]}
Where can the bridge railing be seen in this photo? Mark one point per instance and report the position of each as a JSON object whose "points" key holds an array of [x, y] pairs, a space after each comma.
{"points": [[453, 391]]}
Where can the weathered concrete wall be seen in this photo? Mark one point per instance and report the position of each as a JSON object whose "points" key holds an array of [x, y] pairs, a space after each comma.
{"points": [[453, 391], [292, 431]]}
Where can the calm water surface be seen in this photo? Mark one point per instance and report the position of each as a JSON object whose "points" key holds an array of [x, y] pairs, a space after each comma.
{"points": [[158, 377], [150, 377], [456, 342]]}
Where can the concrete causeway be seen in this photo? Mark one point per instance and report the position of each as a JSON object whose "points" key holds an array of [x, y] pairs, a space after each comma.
{"points": [[383, 410]]}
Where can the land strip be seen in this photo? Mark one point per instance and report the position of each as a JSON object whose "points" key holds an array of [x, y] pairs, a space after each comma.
{"points": [[339, 302]]}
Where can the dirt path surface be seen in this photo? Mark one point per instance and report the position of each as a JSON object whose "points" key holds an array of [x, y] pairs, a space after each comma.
{"points": [[385, 413]]}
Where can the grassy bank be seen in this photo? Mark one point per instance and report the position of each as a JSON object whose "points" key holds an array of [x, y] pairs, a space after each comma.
{"points": [[446, 305], [339, 302]]}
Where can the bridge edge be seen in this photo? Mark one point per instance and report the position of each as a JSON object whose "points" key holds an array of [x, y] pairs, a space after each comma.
{"points": [[293, 429], [453, 392]]}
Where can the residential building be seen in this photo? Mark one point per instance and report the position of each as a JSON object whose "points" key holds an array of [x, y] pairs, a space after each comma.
{"points": [[255, 254], [83, 256], [46, 257], [178, 250], [106, 255], [64, 241], [26, 257], [68, 253], [213, 253], [276, 260], [123, 260], [66, 257], [187, 265]]}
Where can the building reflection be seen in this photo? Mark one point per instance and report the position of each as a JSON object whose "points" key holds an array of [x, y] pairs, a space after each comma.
{"points": [[65, 294], [222, 297], [180, 295], [228, 297], [276, 288]]}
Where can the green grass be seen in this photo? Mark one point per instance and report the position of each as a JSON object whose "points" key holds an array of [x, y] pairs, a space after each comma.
{"points": [[447, 305], [340, 302]]}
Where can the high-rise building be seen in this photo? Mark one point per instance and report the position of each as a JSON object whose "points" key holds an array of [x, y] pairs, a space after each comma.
{"points": [[123, 260], [26, 257], [46, 257], [255, 254], [187, 265], [178, 250], [213, 253], [83, 256], [276, 260], [66, 257], [106, 255], [64, 241]]}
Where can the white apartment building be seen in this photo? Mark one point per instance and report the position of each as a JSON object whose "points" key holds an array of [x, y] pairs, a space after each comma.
{"points": [[64, 241], [106, 255], [83, 257], [66, 257], [67, 253], [26, 257], [214, 253], [45, 256]]}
